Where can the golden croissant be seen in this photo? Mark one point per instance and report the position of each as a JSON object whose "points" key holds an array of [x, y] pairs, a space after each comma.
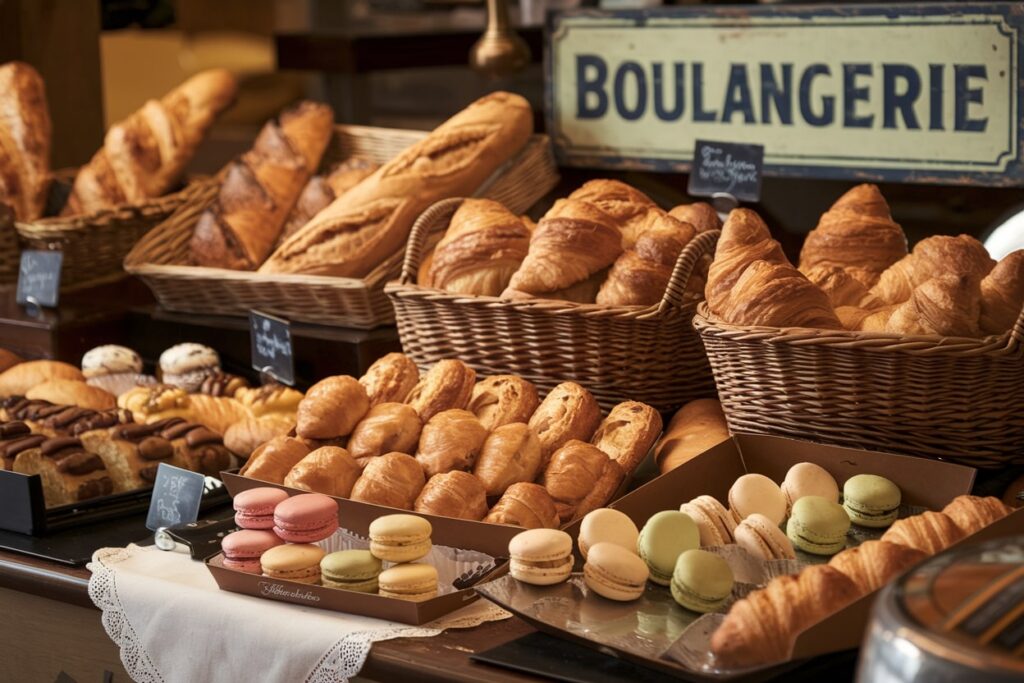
{"points": [[1002, 294], [627, 205], [946, 306], [932, 257], [858, 235], [841, 288]]}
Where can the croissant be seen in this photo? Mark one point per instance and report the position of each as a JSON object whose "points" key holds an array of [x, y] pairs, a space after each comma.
{"points": [[762, 627], [146, 154], [777, 295], [933, 256], [841, 288], [572, 245], [24, 141], [639, 276], [260, 188], [1002, 294], [627, 205], [484, 245], [745, 239], [700, 215], [948, 306], [858, 235]]}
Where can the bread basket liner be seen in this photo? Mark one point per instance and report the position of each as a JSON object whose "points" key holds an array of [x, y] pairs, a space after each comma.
{"points": [[642, 353], [952, 398], [159, 259]]}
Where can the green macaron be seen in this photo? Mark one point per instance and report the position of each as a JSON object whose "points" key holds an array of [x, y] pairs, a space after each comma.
{"points": [[818, 525], [702, 581], [871, 501], [354, 570], [666, 536]]}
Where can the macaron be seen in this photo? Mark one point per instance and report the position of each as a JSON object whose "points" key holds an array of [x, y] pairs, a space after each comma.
{"points": [[243, 549], [299, 562], [415, 582], [757, 493], [306, 518], [541, 557], [254, 508], [871, 501], [808, 479], [400, 538], [702, 581], [818, 525], [353, 570], [713, 520], [613, 572], [605, 525], [763, 539], [666, 536]]}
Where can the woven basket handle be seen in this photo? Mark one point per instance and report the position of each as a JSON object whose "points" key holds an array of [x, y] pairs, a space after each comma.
{"points": [[700, 246], [1017, 332], [434, 219]]}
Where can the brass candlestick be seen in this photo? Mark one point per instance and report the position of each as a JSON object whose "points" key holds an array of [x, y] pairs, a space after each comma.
{"points": [[500, 51]]}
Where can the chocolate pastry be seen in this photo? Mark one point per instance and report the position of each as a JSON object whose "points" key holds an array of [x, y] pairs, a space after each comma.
{"points": [[196, 447], [132, 453], [220, 383], [16, 437], [70, 473]]}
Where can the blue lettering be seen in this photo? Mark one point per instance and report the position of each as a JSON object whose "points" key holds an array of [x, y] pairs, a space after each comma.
{"points": [[828, 102], [893, 101], [737, 95], [699, 113], [935, 78], [635, 112], [591, 88], [659, 92], [774, 95], [852, 94], [965, 95]]}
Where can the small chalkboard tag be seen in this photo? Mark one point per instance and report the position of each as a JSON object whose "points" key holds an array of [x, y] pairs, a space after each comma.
{"points": [[726, 168], [271, 339], [176, 497], [39, 278]]}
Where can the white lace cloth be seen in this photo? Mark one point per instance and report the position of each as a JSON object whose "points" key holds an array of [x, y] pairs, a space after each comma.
{"points": [[172, 624]]}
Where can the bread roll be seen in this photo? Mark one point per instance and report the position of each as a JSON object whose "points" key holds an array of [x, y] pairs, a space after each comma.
{"points": [[453, 494], [510, 454], [388, 427], [697, 427], [627, 434], [503, 399], [71, 392], [451, 440], [242, 225], [17, 380], [580, 478], [371, 222], [145, 155], [448, 385], [329, 470], [525, 505], [331, 408], [24, 141], [393, 480], [390, 379], [272, 461], [568, 412]]}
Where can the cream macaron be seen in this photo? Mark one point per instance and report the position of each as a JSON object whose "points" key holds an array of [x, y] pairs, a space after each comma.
{"points": [[400, 538], [607, 525], [613, 572], [414, 582], [757, 493], [541, 557]]}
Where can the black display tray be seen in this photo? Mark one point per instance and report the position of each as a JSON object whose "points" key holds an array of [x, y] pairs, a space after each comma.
{"points": [[22, 509]]}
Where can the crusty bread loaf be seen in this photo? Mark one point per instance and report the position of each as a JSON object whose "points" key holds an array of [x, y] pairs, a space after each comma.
{"points": [[20, 378], [372, 221], [323, 189], [24, 141], [696, 427], [260, 188]]}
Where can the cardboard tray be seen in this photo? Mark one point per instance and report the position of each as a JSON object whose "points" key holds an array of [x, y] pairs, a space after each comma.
{"points": [[352, 602], [926, 483]]}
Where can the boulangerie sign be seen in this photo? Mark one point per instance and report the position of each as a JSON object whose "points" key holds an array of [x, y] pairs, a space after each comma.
{"points": [[911, 92]]}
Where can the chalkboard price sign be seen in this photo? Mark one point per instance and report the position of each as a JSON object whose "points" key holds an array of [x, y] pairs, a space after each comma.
{"points": [[722, 167], [39, 278], [271, 341], [177, 494]]}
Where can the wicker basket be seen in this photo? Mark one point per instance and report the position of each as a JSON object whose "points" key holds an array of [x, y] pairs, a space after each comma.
{"points": [[9, 251], [161, 258], [954, 399], [619, 353], [95, 245]]}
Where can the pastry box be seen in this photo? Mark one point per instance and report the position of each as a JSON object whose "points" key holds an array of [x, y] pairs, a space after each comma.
{"points": [[657, 633], [459, 570]]}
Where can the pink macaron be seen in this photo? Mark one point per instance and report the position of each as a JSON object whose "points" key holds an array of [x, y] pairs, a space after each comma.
{"points": [[306, 518], [243, 549], [254, 509]]}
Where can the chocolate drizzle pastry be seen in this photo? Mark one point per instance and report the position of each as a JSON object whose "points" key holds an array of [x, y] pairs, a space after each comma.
{"points": [[16, 437], [76, 421], [71, 458], [220, 383], [200, 449]]}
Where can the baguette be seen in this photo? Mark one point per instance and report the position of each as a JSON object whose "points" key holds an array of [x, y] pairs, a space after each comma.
{"points": [[360, 229], [24, 141], [323, 189], [260, 188], [146, 154]]}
